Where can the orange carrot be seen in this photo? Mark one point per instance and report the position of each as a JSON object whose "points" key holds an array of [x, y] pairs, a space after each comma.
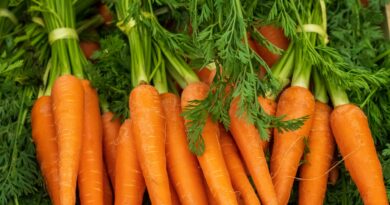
{"points": [[148, 129], [182, 164], [89, 47], [206, 75], [90, 178], [288, 147], [105, 12], [314, 172], [269, 107], [68, 112], [131, 186], [44, 136], [353, 137], [249, 143], [211, 161], [111, 127], [334, 173], [174, 196], [236, 169], [107, 189]]}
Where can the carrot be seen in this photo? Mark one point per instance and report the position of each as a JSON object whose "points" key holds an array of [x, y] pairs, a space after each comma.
{"points": [[68, 112], [111, 127], [314, 172], [44, 136], [89, 47], [353, 137], [364, 3], [105, 12], [210, 197], [148, 129], [211, 161], [107, 189], [276, 36], [90, 178], [269, 106], [182, 164], [131, 186], [236, 169], [288, 147], [248, 141], [174, 196], [206, 75], [334, 173]]}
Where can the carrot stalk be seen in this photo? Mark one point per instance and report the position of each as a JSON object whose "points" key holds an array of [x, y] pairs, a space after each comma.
{"points": [[211, 161], [148, 127], [44, 136], [131, 186], [182, 165], [236, 169], [68, 112]]}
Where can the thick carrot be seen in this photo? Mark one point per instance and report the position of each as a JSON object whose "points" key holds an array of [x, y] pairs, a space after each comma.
{"points": [[206, 75], [269, 106], [107, 197], [68, 112], [174, 197], [314, 172], [288, 146], [111, 127], [148, 127], [44, 136], [211, 161], [90, 178], [276, 36], [236, 170], [182, 164], [248, 141], [131, 186], [353, 137]]}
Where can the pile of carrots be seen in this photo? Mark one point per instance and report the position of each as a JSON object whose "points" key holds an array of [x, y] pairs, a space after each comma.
{"points": [[110, 161]]}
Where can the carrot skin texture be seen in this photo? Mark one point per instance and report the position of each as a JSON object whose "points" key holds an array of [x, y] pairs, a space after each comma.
{"points": [[174, 196], [44, 136], [111, 127], [269, 107], [68, 112], [148, 127], [129, 190], [357, 147], [248, 141], [313, 173], [90, 178], [288, 147], [211, 161], [89, 48], [182, 165], [236, 169], [107, 189]]}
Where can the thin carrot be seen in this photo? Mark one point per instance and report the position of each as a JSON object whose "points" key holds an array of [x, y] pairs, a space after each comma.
{"points": [[111, 127], [269, 106], [236, 169], [131, 186], [211, 161], [148, 127], [288, 147], [353, 137], [335, 172], [44, 136], [314, 172], [90, 178], [206, 75], [182, 164], [68, 112], [249, 143], [108, 198], [89, 48]]}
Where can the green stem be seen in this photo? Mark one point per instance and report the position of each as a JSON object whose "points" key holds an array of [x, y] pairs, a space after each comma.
{"points": [[93, 22], [301, 75], [159, 78], [337, 95], [283, 69], [368, 98], [382, 55], [320, 93], [175, 75], [138, 72]]}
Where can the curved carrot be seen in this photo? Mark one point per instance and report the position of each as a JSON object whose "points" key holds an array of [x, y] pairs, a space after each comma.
{"points": [[314, 172], [148, 129], [211, 161], [131, 186], [90, 178], [249, 143], [68, 112], [107, 189], [44, 136], [288, 147], [182, 165], [111, 127], [353, 137], [269, 107], [236, 170]]}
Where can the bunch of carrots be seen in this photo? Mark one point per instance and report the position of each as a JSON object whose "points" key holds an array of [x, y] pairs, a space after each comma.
{"points": [[111, 161]]}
